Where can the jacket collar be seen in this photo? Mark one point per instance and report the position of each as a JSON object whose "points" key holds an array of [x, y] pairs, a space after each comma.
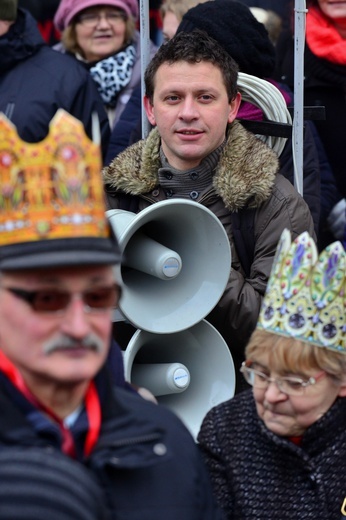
{"points": [[246, 170], [123, 426]]}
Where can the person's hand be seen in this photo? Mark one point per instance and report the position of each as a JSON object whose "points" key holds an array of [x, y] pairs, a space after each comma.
{"points": [[144, 392]]}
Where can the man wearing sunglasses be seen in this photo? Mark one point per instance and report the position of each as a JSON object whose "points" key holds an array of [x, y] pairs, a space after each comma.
{"points": [[57, 292]]}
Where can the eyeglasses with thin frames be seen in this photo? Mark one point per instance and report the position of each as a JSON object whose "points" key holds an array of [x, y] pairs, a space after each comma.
{"points": [[93, 19], [54, 302], [289, 385]]}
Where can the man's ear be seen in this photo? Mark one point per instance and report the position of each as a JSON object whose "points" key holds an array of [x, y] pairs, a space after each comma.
{"points": [[149, 109], [234, 107]]}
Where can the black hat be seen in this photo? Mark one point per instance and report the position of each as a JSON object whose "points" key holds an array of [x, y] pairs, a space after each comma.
{"points": [[45, 485], [235, 28], [8, 10], [62, 252]]}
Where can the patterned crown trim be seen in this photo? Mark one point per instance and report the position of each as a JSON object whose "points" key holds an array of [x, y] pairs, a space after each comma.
{"points": [[305, 296], [51, 189]]}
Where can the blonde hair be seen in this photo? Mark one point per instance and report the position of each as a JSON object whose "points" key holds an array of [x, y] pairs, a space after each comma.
{"points": [[69, 35], [292, 355], [178, 7]]}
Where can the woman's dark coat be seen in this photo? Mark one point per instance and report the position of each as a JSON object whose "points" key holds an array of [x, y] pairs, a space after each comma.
{"points": [[258, 475]]}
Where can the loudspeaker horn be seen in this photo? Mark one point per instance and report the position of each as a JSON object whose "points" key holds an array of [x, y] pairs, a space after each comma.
{"points": [[177, 261], [189, 371]]}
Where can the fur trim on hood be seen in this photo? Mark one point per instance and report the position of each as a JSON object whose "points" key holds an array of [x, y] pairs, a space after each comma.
{"points": [[245, 173]]}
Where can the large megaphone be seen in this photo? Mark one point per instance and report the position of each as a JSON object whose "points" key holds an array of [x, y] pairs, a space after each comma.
{"points": [[177, 261], [189, 371]]}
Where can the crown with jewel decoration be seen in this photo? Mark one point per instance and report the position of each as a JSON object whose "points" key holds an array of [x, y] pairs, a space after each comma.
{"points": [[306, 293], [51, 191]]}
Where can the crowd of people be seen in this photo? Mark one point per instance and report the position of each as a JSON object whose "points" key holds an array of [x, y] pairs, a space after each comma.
{"points": [[77, 439]]}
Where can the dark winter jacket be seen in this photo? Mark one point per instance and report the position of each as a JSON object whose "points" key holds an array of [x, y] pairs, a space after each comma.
{"points": [[128, 129], [36, 81], [246, 176], [311, 171], [258, 475], [145, 460], [324, 85]]}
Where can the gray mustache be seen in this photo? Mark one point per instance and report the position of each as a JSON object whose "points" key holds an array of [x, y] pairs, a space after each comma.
{"points": [[91, 342]]}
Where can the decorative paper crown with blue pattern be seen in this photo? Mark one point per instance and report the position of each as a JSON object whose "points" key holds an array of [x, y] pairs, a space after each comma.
{"points": [[306, 293]]}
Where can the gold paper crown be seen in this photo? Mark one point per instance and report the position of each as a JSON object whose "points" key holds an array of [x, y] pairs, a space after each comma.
{"points": [[305, 296], [51, 189]]}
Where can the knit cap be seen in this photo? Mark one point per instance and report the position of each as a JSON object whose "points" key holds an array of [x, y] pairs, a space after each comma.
{"points": [[68, 9], [236, 29], [8, 10], [40, 485]]}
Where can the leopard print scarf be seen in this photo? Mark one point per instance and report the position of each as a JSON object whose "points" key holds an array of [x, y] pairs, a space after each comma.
{"points": [[112, 74]]}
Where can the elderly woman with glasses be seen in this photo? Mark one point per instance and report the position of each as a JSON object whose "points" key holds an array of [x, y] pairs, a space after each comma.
{"points": [[103, 35], [278, 450]]}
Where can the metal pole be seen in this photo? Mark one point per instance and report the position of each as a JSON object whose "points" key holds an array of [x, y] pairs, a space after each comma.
{"points": [[145, 53], [298, 119]]}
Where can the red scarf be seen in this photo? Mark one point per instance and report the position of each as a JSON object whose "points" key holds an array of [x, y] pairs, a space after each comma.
{"points": [[92, 406], [323, 39]]}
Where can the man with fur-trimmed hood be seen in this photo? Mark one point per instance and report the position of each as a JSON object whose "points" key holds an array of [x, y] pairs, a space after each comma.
{"points": [[199, 152]]}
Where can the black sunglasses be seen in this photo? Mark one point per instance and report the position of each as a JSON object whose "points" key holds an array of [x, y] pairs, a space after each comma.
{"points": [[49, 301]]}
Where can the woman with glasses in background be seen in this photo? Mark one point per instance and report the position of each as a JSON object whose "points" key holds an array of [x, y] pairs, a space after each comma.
{"points": [[278, 450], [103, 35]]}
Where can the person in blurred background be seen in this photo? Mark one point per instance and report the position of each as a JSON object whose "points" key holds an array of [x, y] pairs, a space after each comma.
{"points": [[172, 12], [271, 21], [324, 85], [36, 81], [103, 36], [43, 12], [282, 8]]}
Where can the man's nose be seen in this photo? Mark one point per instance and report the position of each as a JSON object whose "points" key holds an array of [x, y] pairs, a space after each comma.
{"points": [[75, 322], [189, 110]]}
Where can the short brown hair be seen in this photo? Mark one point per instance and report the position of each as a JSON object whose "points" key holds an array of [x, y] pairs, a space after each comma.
{"points": [[193, 47], [293, 355]]}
